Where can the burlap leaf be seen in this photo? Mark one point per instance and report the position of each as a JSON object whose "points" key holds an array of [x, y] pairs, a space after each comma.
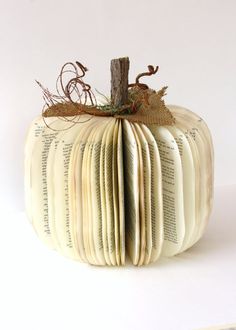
{"points": [[146, 106], [151, 108]]}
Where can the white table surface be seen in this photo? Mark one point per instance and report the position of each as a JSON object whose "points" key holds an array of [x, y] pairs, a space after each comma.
{"points": [[39, 289]]}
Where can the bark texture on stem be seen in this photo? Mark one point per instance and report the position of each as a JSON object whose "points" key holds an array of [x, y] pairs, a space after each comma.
{"points": [[119, 81]]}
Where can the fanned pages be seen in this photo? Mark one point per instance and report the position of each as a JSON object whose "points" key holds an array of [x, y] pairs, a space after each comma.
{"points": [[33, 134], [39, 198], [96, 208], [173, 199], [109, 193], [145, 202], [157, 231], [188, 184], [115, 192], [76, 191], [195, 129], [141, 196], [105, 188], [63, 215], [121, 200], [132, 218]]}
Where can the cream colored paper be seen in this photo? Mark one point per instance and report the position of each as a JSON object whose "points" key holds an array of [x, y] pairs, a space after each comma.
{"points": [[109, 206], [121, 194], [141, 198], [172, 181], [147, 194], [115, 193], [75, 186], [194, 126], [188, 184], [157, 234], [132, 219], [39, 194]]}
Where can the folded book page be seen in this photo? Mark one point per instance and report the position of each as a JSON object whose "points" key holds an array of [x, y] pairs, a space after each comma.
{"points": [[131, 174], [121, 199], [194, 126], [172, 185], [39, 192], [157, 231], [145, 202], [106, 186], [188, 184]]}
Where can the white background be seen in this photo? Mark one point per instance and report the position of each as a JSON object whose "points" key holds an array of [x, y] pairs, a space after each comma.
{"points": [[194, 43]]}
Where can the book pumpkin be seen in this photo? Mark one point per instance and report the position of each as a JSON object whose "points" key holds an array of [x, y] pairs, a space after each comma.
{"points": [[128, 176]]}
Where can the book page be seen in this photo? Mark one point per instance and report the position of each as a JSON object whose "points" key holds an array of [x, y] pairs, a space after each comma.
{"points": [[39, 194], [109, 192], [115, 193], [141, 198], [64, 221], [50, 191], [201, 187], [120, 172], [75, 185], [172, 183], [131, 192], [197, 165], [95, 196], [86, 199], [157, 231], [194, 126], [188, 184], [34, 132], [103, 198], [147, 195], [86, 207], [69, 135]]}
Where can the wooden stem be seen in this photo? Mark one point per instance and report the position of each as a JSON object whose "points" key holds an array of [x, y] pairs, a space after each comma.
{"points": [[119, 81]]}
